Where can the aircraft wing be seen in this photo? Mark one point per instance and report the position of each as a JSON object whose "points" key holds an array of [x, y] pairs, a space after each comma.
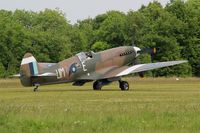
{"points": [[125, 70], [146, 67]]}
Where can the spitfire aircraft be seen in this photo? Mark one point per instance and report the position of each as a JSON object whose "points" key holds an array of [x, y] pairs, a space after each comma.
{"points": [[103, 68]]}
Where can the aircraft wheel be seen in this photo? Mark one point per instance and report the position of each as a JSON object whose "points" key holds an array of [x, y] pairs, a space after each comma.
{"points": [[35, 89], [124, 85], [97, 85]]}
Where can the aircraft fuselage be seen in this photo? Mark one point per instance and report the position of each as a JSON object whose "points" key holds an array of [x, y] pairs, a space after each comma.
{"points": [[86, 64]]}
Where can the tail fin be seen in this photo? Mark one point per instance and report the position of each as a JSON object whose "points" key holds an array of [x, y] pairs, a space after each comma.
{"points": [[29, 67]]}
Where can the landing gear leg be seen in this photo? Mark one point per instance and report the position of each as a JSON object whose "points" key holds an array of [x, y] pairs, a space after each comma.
{"points": [[123, 85], [97, 85]]}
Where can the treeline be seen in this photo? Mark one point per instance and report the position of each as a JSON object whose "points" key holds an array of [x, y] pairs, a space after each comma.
{"points": [[174, 30]]}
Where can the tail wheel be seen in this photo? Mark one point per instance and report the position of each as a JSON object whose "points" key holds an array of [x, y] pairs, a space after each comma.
{"points": [[97, 85], [36, 87], [124, 85]]}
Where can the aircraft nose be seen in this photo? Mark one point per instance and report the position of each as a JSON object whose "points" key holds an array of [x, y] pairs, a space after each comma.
{"points": [[136, 49]]}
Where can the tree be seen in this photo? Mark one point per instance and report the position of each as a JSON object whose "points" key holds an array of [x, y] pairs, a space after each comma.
{"points": [[45, 34], [2, 70], [52, 35], [174, 30], [82, 36], [99, 46], [162, 30], [111, 29]]}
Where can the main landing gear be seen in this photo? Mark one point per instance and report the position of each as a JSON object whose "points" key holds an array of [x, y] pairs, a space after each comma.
{"points": [[100, 83], [123, 85]]}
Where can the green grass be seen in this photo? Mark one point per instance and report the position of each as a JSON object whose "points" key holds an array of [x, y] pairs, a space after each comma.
{"points": [[151, 105]]}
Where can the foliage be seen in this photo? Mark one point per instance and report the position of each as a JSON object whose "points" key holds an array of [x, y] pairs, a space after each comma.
{"points": [[174, 30], [99, 46]]}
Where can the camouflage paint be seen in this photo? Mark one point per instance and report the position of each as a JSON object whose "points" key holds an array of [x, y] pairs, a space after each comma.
{"points": [[102, 65]]}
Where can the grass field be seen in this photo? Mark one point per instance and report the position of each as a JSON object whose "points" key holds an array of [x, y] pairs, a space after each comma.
{"points": [[151, 105]]}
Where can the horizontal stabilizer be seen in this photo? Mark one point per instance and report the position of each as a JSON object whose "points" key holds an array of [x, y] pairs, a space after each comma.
{"points": [[16, 75], [39, 75], [45, 75]]}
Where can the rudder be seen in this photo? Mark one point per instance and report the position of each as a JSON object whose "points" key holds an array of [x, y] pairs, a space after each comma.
{"points": [[29, 67]]}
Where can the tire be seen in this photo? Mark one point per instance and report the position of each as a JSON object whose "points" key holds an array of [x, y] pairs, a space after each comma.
{"points": [[97, 85], [124, 85]]}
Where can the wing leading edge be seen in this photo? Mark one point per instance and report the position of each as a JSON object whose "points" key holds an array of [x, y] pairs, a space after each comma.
{"points": [[149, 66]]}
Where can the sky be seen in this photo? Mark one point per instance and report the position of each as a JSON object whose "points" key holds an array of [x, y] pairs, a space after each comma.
{"points": [[77, 9]]}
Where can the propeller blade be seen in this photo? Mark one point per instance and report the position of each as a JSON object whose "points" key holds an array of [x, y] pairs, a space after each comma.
{"points": [[151, 51], [141, 74], [147, 51]]}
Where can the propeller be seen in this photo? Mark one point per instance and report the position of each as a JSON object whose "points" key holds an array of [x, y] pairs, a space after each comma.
{"points": [[151, 51], [136, 61]]}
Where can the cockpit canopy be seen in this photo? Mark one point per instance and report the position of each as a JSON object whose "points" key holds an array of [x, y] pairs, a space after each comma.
{"points": [[83, 56]]}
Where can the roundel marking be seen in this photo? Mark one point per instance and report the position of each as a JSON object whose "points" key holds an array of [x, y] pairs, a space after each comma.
{"points": [[73, 68]]}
